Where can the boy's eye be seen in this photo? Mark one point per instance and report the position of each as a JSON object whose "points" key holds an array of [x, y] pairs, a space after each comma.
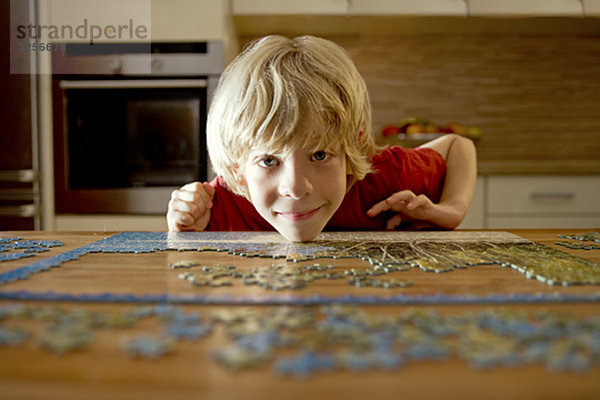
{"points": [[267, 161], [320, 156]]}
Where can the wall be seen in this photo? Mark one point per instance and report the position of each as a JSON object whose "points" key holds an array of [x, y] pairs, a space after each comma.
{"points": [[535, 96]]}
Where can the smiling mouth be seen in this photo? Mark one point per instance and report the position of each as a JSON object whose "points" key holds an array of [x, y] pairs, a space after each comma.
{"points": [[299, 216]]}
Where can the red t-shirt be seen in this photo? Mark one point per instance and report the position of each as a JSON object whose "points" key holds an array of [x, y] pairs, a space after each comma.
{"points": [[420, 170]]}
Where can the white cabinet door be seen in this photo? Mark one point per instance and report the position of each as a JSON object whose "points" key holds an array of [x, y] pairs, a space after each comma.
{"points": [[475, 218], [542, 202], [174, 20], [283, 7], [591, 8], [409, 7], [543, 194], [527, 222], [516, 8]]}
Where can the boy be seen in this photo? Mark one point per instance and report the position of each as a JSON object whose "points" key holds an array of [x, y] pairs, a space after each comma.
{"points": [[289, 137]]}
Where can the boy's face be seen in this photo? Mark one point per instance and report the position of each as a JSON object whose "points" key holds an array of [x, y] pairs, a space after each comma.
{"points": [[297, 193]]}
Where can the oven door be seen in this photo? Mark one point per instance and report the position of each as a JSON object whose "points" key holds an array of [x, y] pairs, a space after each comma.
{"points": [[122, 146]]}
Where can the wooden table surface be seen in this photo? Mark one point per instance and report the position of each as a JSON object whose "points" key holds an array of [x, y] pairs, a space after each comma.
{"points": [[105, 371]]}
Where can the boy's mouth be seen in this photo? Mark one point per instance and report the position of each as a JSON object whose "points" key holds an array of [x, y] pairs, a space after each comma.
{"points": [[299, 216]]}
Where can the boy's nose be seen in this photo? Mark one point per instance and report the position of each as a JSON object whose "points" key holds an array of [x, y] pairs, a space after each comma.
{"points": [[295, 183]]}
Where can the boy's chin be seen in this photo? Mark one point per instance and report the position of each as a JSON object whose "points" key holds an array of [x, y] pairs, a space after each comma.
{"points": [[299, 236]]}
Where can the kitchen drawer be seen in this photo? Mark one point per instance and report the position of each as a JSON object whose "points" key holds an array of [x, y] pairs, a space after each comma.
{"points": [[542, 222], [543, 194]]}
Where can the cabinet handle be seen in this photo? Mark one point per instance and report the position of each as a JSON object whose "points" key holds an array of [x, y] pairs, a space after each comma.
{"points": [[19, 175], [537, 196], [24, 211]]}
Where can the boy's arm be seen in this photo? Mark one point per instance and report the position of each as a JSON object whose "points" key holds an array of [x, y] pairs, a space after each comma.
{"points": [[190, 207], [459, 185], [461, 175]]}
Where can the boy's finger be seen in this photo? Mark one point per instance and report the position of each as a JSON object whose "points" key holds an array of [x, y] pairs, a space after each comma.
{"points": [[390, 202], [178, 221], [209, 189], [393, 222], [198, 196], [377, 208], [402, 196], [191, 187], [417, 202], [195, 210]]}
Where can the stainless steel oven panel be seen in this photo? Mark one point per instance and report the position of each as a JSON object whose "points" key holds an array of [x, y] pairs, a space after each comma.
{"points": [[160, 64], [125, 64], [135, 84], [185, 65], [210, 84]]}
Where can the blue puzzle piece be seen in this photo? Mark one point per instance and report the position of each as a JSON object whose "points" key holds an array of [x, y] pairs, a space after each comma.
{"points": [[304, 364]]}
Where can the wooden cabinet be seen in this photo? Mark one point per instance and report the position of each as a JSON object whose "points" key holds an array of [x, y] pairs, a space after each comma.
{"points": [[184, 20]]}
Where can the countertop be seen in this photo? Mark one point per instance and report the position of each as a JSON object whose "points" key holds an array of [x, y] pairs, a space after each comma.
{"points": [[104, 370]]}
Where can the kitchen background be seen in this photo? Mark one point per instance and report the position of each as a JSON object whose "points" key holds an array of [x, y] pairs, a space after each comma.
{"points": [[526, 73]]}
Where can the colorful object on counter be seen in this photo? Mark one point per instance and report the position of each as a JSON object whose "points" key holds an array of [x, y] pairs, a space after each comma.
{"points": [[424, 128], [303, 341]]}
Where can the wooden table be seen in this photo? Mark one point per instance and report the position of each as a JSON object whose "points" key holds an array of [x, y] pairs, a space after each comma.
{"points": [[105, 371]]}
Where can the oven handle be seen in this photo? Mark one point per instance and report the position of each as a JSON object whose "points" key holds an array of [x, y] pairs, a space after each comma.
{"points": [[135, 84]]}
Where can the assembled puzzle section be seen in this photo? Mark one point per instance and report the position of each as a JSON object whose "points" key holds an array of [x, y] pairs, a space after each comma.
{"points": [[299, 265], [14, 248]]}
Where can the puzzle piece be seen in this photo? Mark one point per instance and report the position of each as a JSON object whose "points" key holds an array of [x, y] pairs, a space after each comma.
{"points": [[67, 338], [12, 336], [304, 364], [276, 277], [237, 357], [379, 283], [147, 346], [211, 275], [590, 236]]}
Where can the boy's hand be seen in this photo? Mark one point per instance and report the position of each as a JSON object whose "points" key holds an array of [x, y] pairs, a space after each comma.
{"points": [[410, 206], [190, 206]]}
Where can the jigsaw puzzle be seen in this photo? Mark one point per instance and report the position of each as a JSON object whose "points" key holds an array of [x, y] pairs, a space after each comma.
{"points": [[294, 266]]}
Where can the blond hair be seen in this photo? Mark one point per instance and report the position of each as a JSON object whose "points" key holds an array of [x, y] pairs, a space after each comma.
{"points": [[273, 90]]}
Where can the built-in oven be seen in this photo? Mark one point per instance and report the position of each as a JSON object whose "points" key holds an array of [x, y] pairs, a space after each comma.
{"points": [[130, 123]]}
